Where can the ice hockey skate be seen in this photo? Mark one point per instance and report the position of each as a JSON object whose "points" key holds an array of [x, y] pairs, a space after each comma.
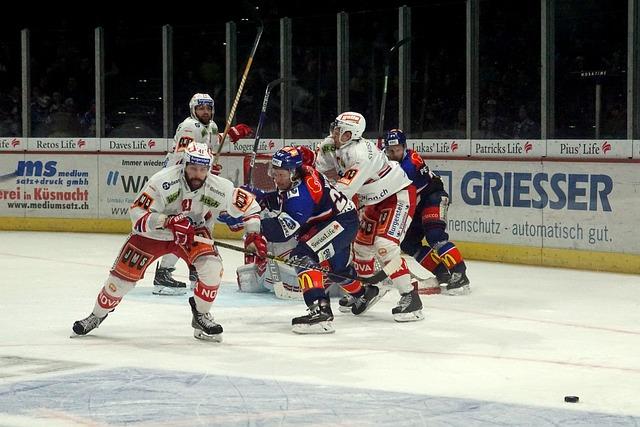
{"points": [[345, 303], [165, 284], [86, 325], [458, 284], [318, 321], [372, 294], [204, 327], [409, 308]]}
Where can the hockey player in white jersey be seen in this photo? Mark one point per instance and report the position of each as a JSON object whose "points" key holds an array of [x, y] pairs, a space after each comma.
{"points": [[198, 127], [176, 204], [387, 201]]}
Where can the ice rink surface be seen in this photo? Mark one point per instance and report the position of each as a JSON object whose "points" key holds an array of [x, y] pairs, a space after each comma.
{"points": [[505, 355]]}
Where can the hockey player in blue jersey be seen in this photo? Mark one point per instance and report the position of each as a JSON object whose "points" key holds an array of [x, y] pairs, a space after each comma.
{"points": [[323, 220], [441, 257]]}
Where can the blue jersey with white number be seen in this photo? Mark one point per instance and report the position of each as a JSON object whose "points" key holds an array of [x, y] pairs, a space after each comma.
{"points": [[312, 201]]}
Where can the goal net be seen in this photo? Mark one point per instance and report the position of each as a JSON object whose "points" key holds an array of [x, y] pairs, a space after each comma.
{"points": [[260, 175]]}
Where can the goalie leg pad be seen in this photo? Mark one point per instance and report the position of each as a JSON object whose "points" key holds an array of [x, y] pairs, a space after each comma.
{"points": [[288, 286], [248, 280]]}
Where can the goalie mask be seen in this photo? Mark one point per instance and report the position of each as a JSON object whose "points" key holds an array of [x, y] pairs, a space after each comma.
{"points": [[200, 99], [349, 122]]}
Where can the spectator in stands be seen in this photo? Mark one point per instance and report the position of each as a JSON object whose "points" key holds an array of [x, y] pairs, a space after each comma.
{"points": [[524, 127], [491, 124]]}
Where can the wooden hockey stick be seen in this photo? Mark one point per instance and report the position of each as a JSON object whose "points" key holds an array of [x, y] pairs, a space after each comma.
{"points": [[366, 280], [383, 103], [232, 112]]}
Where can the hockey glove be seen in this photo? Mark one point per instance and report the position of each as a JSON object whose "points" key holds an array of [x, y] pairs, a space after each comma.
{"points": [[257, 243], [182, 229], [266, 199], [436, 183], [216, 169], [239, 131], [260, 194], [234, 224]]}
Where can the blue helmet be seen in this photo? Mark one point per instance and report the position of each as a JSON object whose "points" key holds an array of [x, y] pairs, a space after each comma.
{"points": [[288, 158], [395, 137]]}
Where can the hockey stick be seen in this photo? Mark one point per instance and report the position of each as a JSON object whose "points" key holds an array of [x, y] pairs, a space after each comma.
{"points": [[383, 103], [367, 280], [232, 112], [261, 120], [274, 271]]}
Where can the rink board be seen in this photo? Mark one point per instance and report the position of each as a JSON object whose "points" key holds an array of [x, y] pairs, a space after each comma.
{"points": [[509, 202]]}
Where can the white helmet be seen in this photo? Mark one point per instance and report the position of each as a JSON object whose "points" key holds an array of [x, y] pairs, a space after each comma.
{"points": [[350, 122], [197, 153], [200, 99]]}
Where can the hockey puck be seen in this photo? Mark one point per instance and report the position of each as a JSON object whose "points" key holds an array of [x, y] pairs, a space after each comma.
{"points": [[571, 399]]}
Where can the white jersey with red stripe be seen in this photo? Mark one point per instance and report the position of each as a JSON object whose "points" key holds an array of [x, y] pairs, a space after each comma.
{"points": [[364, 170], [191, 130], [167, 193]]}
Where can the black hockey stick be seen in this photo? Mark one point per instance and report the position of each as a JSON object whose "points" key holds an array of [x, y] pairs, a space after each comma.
{"points": [[263, 116], [367, 280], [274, 271], [232, 112], [383, 103]]}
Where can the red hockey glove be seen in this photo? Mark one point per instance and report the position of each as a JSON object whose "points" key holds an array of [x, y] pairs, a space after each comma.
{"points": [[216, 169], [257, 243], [182, 229], [239, 131]]}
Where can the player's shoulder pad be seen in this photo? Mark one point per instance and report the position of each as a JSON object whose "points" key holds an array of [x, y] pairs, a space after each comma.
{"points": [[359, 152], [189, 125], [415, 158]]}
